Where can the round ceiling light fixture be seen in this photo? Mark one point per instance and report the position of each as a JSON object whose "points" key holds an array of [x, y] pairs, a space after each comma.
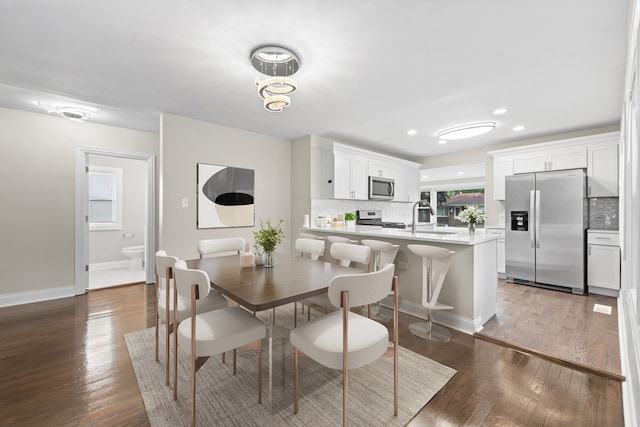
{"points": [[278, 64], [273, 60], [466, 131], [76, 114]]}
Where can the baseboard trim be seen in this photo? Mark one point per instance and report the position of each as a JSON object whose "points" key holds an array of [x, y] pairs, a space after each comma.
{"points": [[111, 265], [559, 360], [36, 296]]}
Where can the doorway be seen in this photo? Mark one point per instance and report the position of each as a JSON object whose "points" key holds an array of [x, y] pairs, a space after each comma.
{"points": [[104, 213]]}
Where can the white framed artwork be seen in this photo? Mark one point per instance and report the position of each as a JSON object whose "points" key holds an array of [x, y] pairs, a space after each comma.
{"points": [[225, 196]]}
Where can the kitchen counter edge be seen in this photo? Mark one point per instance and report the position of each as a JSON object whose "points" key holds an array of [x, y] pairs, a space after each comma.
{"points": [[459, 238]]}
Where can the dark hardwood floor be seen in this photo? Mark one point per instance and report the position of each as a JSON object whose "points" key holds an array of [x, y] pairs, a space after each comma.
{"points": [[65, 363], [558, 325]]}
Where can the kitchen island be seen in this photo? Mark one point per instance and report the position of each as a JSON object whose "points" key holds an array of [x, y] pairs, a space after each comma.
{"points": [[471, 283]]}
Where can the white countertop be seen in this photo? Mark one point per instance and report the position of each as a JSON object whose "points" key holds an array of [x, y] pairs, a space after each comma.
{"points": [[440, 235]]}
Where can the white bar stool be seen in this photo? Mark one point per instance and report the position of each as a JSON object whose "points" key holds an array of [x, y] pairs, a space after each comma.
{"points": [[435, 264], [383, 254]]}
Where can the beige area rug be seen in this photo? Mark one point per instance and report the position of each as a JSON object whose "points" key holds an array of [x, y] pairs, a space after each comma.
{"points": [[227, 400]]}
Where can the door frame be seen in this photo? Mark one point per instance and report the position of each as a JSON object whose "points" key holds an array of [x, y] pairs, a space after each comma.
{"points": [[81, 268]]}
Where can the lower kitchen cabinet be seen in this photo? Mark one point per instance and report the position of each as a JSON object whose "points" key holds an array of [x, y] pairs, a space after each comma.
{"points": [[603, 261], [499, 231]]}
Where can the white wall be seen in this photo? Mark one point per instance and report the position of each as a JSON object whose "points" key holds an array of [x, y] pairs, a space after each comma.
{"points": [[629, 300], [185, 143], [37, 186], [106, 245]]}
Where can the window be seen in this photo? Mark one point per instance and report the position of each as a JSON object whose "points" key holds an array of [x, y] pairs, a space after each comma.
{"points": [[449, 204], [105, 198]]}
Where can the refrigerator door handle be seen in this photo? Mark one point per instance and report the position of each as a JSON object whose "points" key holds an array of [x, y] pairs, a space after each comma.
{"points": [[532, 203], [537, 219]]}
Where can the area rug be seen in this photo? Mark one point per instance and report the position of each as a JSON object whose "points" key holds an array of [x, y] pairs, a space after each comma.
{"points": [[227, 400]]}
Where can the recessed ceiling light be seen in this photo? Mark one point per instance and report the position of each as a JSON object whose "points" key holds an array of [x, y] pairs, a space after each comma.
{"points": [[499, 111], [466, 131], [461, 173], [442, 141], [412, 132], [518, 128]]}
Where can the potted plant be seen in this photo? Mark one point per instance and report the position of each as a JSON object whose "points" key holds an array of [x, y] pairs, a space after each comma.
{"points": [[472, 215], [267, 238], [349, 219]]}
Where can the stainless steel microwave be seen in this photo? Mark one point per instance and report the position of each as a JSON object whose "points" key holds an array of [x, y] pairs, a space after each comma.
{"points": [[381, 188]]}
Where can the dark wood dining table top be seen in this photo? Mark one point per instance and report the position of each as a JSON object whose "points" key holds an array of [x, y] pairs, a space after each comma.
{"points": [[258, 288]]}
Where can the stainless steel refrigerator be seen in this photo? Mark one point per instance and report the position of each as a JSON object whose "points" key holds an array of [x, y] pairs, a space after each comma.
{"points": [[546, 215]]}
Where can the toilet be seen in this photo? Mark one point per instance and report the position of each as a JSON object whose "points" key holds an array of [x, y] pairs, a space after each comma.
{"points": [[136, 253]]}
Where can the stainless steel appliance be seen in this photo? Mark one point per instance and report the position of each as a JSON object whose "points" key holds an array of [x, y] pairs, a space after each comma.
{"points": [[374, 217], [546, 229], [381, 188]]}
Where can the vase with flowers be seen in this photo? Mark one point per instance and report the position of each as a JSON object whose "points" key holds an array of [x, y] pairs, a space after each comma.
{"points": [[472, 215], [267, 238]]}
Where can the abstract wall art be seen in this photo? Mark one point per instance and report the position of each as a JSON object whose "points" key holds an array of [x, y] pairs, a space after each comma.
{"points": [[225, 196]]}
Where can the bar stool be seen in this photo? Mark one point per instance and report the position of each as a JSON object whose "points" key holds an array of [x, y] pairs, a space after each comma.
{"points": [[383, 254], [435, 264], [339, 239]]}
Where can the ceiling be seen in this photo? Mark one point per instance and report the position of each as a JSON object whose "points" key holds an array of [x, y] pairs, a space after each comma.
{"points": [[370, 71]]}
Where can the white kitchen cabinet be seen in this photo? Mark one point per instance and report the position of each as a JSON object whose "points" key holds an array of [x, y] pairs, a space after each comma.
{"points": [[603, 260], [380, 169], [602, 170], [502, 168], [499, 231], [574, 157], [350, 178], [407, 183], [345, 171]]}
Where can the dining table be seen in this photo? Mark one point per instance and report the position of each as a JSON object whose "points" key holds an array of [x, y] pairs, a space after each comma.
{"points": [[258, 288]]}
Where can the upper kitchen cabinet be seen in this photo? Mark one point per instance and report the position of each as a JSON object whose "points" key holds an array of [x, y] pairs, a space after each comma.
{"points": [[550, 160], [345, 172], [407, 181], [380, 169], [602, 170], [596, 153], [502, 168], [344, 176]]}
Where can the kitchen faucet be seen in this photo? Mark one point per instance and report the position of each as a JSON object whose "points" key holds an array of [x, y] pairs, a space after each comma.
{"points": [[413, 212]]}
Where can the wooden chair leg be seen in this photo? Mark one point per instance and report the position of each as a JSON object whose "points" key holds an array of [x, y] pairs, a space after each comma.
{"points": [[224, 358], [234, 361], [259, 371], [295, 379], [295, 314], [157, 320], [168, 324]]}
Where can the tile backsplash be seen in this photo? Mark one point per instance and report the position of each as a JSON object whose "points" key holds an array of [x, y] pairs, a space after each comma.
{"points": [[391, 211], [603, 213]]}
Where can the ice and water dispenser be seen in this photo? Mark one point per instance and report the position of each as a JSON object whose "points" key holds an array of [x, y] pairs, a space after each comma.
{"points": [[520, 220]]}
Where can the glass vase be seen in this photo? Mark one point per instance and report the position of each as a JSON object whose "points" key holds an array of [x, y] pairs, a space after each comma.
{"points": [[268, 259], [472, 228]]}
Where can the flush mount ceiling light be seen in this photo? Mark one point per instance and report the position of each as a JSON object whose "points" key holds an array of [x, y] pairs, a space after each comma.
{"points": [[466, 131], [278, 63], [77, 114]]}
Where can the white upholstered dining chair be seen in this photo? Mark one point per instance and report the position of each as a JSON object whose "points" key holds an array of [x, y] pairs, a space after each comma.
{"points": [[344, 254], [307, 248], [205, 334], [347, 340], [172, 308], [218, 247]]}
